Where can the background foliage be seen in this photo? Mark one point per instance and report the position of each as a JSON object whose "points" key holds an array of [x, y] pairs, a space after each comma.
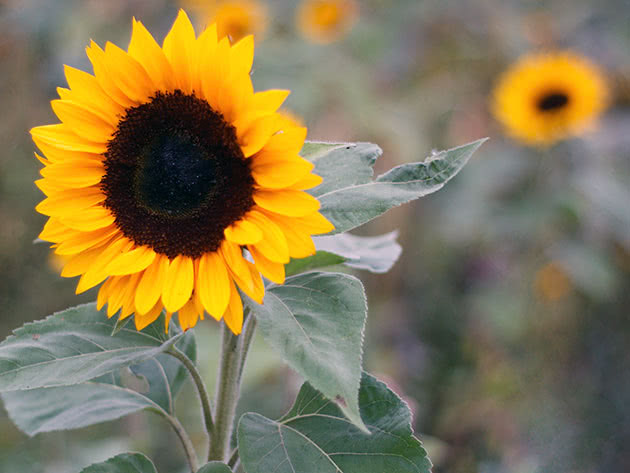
{"points": [[504, 325]]}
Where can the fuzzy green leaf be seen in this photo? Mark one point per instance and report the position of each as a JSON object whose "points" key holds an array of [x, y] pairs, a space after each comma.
{"points": [[321, 259], [341, 164], [124, 463], [74, 346], [352, 200], [376, 254], [152, 384], [72, 407], [314, 437], [214, 467], [315, 321]]}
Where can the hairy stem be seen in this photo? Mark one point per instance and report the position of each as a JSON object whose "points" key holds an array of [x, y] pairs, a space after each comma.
{"points": [[198, 381], [189, 449], [234, 460], [228, 390], [247, 336]]}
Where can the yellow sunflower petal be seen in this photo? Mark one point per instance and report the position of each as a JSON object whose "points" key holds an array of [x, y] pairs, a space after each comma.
{"points": [[270, 269], [289, 142], [188, 315], [89, 219], [269, 101], [104, 293], [122, 295], [179, 283], [243, 233], [96, 272], [113, 291], [307, 182], [257, 136], [104, 75], [243, 55], [81, 262], [132, 261], [75, 174], [130, 77], [82, 241], [205, 48], [144, 49], [298, 236], [62, 137], [49, 187], [243, 271], [143, 320], [287, 202], [179, 48], [234, 314], [125, 296], [70, 201], [213, 284], [58, 155], [54, 231], [214, 68], [279, 174], [85, 88], [235, 94], [315, 223], [273, 245], [151, 285]]}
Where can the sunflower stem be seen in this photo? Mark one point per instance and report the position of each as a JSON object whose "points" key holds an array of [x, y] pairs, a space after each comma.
{"points": [[248, 335], [200, 385], [233, 352], [234, 460], [189, 449]]}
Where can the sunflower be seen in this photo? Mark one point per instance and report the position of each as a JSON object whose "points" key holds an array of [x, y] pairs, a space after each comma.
{"points": [[547, 97], [234, 18], [325, 21], [171, 181]]}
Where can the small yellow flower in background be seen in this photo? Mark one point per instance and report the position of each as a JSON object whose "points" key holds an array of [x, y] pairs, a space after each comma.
{"points": [[234, 18], [552, 283], [547, 97], [326, 21], [167, 167]]}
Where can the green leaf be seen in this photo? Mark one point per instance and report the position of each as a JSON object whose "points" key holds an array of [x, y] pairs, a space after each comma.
{"points": [[314, 437], [321, 259], [315, 321], [164, 374], [341, 164], [124, 463], [74, 346], [376, 254], [152, 384], [350, 201], [72, 407], [214, 467]]}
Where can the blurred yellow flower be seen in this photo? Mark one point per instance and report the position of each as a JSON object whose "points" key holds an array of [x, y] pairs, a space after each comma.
{"points": [[326, 21], [552, 283], [234, 18], [546, 97]]}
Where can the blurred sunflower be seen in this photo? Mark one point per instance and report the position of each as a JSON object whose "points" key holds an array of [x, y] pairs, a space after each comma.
{"points": [[547, 97], [326, 21], [165, 168], [234, 18]]}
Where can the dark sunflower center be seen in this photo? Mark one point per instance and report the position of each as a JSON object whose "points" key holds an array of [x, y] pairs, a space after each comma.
{"points": [[552, 101], [175, 175]]}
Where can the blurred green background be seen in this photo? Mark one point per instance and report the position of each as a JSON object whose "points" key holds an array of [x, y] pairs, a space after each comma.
{"points": [[505, 323]]}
